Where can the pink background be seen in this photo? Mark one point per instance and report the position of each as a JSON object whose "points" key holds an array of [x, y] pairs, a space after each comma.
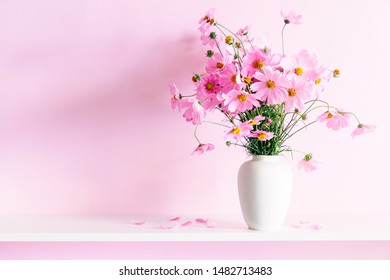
{"points": [[86, 125]]}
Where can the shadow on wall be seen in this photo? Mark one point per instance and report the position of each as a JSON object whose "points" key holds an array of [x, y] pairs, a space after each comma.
{"points": [[99, 143]]}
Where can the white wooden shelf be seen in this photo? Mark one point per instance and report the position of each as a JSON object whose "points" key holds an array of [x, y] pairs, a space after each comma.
{"points": [[119, 228]]}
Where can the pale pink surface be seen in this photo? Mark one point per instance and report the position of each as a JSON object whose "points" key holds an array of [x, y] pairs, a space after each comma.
{"points": [[87, 127], [284, 250]]}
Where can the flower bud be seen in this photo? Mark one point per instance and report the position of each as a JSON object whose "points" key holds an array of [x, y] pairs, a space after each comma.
{"points": [[336, 73], [213, 35], [228, 143], [210, 53], [196, 78], [304, 117], [229, 40]]}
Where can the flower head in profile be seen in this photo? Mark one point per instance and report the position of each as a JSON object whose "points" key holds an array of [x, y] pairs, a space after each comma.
{"points": [[194, 112], [291, 17], [270, 86], [363, 128], [175, 96], [262, 135], [239, 131], [207, 21], [335, 119], [308, 163], [230, 78], [256, 120], [202, 148]]}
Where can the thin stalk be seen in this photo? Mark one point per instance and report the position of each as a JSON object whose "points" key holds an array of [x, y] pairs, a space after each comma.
{"points": [[284, 26]]}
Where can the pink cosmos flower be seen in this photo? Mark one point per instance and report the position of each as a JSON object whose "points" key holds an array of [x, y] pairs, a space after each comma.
{"points": [[319, 76], [202, 148], [363, 128], [194, 112], [335, 120], [239, 131], [256, 60], [296, 93], [207, 22], [217, 62], [262, 135], [256, 120], [291, 17], [230, 78], [175, 96], [208, 85], [270, 86], [300, 64], [238, 100], [308, 163]]}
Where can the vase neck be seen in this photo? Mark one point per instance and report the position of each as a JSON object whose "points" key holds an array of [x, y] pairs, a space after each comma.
{"points": [[266, 158]]}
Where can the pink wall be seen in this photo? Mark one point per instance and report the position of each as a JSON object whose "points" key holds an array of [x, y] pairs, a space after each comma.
{"points": [[86, 125]]}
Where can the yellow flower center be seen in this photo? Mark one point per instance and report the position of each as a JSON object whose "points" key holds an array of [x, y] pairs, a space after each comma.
{"points": [[248, 80], [298, 71], [211, 21], [258, 64], [262, 136], [234, 79], [318, 81], [209, 86], [270, 84], [252, 122], [329, 116], [236, 130], [220, 65], [241, 97], [291, 92], [336, 72]]}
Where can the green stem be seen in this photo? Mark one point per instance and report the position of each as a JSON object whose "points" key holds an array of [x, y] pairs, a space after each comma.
{"points": [[197, 139], [284, 26], [242, 43]]}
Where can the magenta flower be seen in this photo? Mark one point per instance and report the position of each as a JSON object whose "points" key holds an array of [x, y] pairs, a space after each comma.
{"points": [[308, 163], [194, 112], [363, 128], [296, 93], [335, 120], [256, 120], [238, 100], [270, 86], [230, 78], [262, 135], [239, 131], [208, 85], [300, 64], [175, 96], [291, 17], [202, 148]]}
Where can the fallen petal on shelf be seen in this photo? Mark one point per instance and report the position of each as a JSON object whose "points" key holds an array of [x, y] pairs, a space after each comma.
{"points": [[200, 220], [186, 224], [137, 223], [174, 219]]}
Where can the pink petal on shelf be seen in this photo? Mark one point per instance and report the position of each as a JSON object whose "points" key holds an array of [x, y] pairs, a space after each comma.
{"points": [[137, 223], [202, 221], [186, 224], [172, 225], [316, 227], [303, 222], [295, 226], [211, 224], [174, 219]]}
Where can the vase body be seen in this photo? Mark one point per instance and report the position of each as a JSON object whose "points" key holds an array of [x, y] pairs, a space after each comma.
{"points": [[264, 187]]}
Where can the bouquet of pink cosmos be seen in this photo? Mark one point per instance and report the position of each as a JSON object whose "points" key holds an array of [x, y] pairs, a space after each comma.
{"points": [[265, 97]]}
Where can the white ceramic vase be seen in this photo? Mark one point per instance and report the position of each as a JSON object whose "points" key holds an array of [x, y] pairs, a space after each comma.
{"points": [[264, 187]]}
